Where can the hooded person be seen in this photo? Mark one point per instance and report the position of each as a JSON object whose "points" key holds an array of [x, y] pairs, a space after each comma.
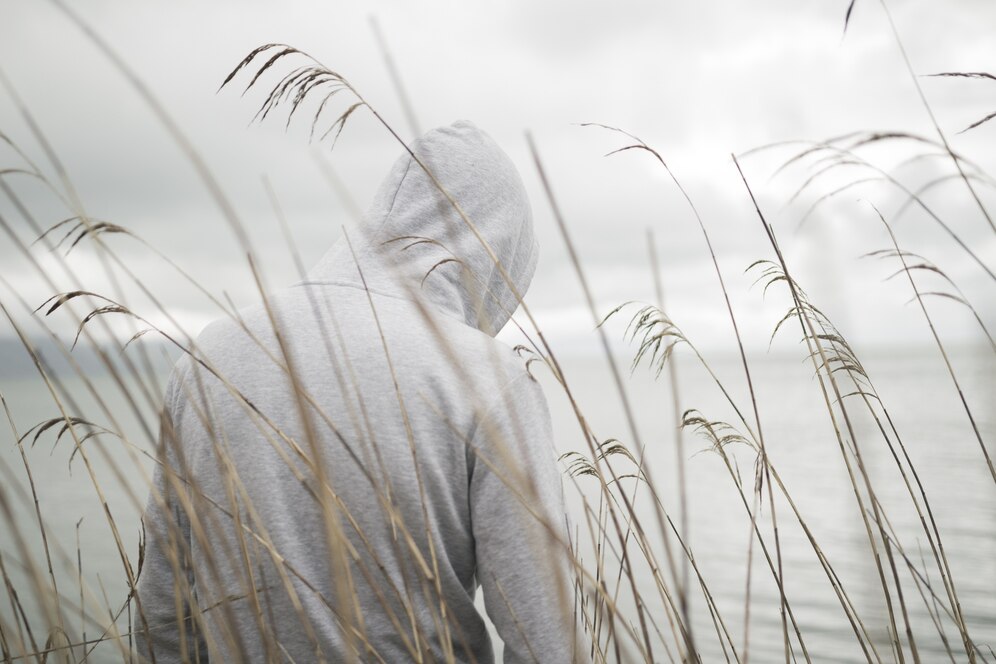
{"points": [[344, 465]]}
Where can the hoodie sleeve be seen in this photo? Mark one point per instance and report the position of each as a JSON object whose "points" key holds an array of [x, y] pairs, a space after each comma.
{"points": [[163, 626], [520, 529]]}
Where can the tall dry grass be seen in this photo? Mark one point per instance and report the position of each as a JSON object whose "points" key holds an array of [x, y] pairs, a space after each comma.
{"points": [[638, 582]]}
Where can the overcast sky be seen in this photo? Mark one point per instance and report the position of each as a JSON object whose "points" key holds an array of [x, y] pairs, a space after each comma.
{"points": [[696, 80]]}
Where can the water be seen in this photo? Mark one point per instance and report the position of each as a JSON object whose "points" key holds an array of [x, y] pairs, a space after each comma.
{"points": [[799, 437], [801, 444]]}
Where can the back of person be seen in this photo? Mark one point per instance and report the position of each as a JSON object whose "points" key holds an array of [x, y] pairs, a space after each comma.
{"points": [[345, 464]]}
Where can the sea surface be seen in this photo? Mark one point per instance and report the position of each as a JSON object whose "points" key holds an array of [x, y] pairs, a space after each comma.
{"points": [[915, 389]]}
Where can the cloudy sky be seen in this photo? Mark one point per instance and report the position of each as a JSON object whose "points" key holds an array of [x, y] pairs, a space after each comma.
{"points": [[696, 80]]}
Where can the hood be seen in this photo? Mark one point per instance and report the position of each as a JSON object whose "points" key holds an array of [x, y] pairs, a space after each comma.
{"points": [[412, 243]]}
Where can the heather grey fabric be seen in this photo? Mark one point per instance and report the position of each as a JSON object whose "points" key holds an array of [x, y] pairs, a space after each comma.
{"points": [[433, 441]]}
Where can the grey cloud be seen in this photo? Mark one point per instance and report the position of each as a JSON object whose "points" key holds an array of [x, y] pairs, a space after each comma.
{"points": [[696, 80]]}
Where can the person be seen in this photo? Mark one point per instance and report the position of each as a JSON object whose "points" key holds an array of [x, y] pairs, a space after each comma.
{"points": [[342, 466]]}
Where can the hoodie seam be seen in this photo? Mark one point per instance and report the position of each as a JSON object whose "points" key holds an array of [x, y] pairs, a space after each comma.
{"points": [[492, 407], [512, 287], [382, 293], [394, 199]]}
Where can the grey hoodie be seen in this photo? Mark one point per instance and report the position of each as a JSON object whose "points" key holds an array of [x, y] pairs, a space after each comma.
{"points": [[342, 467]]}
